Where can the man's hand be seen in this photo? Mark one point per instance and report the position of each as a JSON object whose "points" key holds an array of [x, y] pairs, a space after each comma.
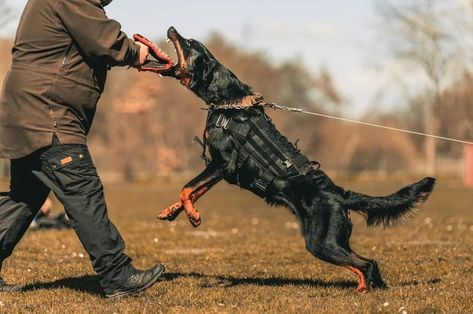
{"points": [[144, 52]]}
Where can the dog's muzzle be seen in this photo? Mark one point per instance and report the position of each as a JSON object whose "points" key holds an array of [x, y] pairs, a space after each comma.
{"points": [[181, 70]]}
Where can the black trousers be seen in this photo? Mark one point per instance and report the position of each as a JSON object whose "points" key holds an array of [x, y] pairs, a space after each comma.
{"points": [[69, 172]]}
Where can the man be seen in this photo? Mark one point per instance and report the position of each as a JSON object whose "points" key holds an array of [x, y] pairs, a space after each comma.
{"points": [[62, 51]]}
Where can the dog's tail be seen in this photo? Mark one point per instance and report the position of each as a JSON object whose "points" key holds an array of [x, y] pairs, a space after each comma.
{"points": [[388, 209]]}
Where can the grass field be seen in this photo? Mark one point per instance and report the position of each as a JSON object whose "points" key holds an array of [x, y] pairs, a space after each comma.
{"points": [[247, 257]]}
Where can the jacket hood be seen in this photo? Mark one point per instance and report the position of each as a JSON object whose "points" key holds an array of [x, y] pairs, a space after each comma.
{"points": [[106, 2]]}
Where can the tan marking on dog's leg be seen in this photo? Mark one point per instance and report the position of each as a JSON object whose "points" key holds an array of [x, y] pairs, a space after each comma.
{"points": [[191, 211], [362, 286]]}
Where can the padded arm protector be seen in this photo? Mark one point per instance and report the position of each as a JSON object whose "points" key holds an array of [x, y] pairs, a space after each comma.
{"points": [[162, 63]]}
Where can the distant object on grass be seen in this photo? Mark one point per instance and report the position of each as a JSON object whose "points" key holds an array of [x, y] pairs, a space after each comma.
{"points": [[45, 220]]}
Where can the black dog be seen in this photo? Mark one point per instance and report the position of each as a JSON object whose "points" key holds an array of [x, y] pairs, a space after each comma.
{"points": [[247, 150]]}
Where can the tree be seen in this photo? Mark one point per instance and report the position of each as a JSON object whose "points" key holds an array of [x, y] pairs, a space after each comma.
{"points": [[422, 34], [457, 113]]}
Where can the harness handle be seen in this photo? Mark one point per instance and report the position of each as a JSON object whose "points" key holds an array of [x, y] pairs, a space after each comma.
{"points": [[203, 144]]}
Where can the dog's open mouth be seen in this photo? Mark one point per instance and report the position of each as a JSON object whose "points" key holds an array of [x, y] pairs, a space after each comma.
{"points": [[180, 70]]}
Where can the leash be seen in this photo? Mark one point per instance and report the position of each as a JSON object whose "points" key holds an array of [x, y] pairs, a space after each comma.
{"points": [[290, 109]]}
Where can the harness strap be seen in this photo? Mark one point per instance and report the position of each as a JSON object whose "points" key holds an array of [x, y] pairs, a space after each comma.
{"points": [[203, 144]]}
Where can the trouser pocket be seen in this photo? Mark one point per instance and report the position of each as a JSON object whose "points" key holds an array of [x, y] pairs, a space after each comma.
{"points": [[73, 171]]}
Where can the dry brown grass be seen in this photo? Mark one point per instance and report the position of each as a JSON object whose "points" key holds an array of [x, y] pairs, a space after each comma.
{"points": [[248, 258]]}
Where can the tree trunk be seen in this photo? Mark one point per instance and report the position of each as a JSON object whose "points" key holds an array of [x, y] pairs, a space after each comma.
{"points": [[430, 153], [430, 143], [468, 176]]}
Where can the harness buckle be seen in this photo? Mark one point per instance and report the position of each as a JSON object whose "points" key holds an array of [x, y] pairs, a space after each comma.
{"points": [[259, 184], [222, 121], [287, 163]]}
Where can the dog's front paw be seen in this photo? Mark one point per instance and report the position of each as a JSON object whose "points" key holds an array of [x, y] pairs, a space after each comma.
{"points": [[171, 212]]}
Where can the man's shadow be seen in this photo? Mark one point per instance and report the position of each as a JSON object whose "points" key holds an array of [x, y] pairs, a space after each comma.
{"points": [[90, 284], [87, 283]]}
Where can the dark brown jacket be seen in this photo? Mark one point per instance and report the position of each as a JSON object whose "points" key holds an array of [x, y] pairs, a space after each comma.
{"points": [[62, 51]]}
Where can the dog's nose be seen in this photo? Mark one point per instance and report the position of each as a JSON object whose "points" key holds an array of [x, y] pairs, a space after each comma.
{"points": [[171, 31]]}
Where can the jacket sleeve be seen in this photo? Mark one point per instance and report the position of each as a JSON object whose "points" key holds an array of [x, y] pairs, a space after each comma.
{"points": [[98, 37]]}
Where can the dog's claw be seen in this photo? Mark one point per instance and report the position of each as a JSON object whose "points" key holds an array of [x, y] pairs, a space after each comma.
{"points": [[174, 210], [363, 289], [194, 218], [171, 212]]}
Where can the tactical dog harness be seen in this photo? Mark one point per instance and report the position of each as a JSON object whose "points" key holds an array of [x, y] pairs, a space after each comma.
{"points": [[258, 140]]}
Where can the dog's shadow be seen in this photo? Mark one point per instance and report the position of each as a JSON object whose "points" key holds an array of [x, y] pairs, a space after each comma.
{"points": [[90, 284], [213, 281]]}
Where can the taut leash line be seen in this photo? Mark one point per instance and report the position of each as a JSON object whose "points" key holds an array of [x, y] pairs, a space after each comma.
{"points": [[284, 108]]}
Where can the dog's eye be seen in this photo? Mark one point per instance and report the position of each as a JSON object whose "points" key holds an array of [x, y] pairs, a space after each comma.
{"points": [[200, 61]]}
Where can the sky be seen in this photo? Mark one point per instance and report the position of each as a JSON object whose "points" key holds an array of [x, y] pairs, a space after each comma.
{"points": [[340, 35]]}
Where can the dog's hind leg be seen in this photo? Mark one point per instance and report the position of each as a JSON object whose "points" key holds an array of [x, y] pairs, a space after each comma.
{"points": [[327, 237], [191, 192], [373, 276]]}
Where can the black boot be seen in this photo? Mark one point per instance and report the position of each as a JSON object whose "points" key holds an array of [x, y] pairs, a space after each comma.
{"points": [[138, 281], [5, 287]]}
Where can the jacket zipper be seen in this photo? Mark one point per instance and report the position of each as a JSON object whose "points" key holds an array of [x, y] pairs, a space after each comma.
{"points": [[66, 55]]}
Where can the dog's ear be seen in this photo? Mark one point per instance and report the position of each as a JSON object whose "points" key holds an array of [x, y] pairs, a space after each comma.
{"points": [[209, 68], [205, 67]]}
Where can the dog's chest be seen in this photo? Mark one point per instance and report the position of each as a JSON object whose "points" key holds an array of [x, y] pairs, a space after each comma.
{"points": [[260, 154]]}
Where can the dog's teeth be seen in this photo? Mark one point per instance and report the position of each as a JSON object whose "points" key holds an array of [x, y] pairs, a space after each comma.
{"points": [[160, 75]]}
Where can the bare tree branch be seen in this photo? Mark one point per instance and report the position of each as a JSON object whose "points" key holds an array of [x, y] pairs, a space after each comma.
{"points": [[419, 34]]}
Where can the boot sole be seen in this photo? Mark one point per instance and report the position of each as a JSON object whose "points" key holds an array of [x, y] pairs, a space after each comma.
{"points": [[129, 293]]}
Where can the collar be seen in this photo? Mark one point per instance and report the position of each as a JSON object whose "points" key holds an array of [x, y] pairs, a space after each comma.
{"points": [[243, 103]]}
